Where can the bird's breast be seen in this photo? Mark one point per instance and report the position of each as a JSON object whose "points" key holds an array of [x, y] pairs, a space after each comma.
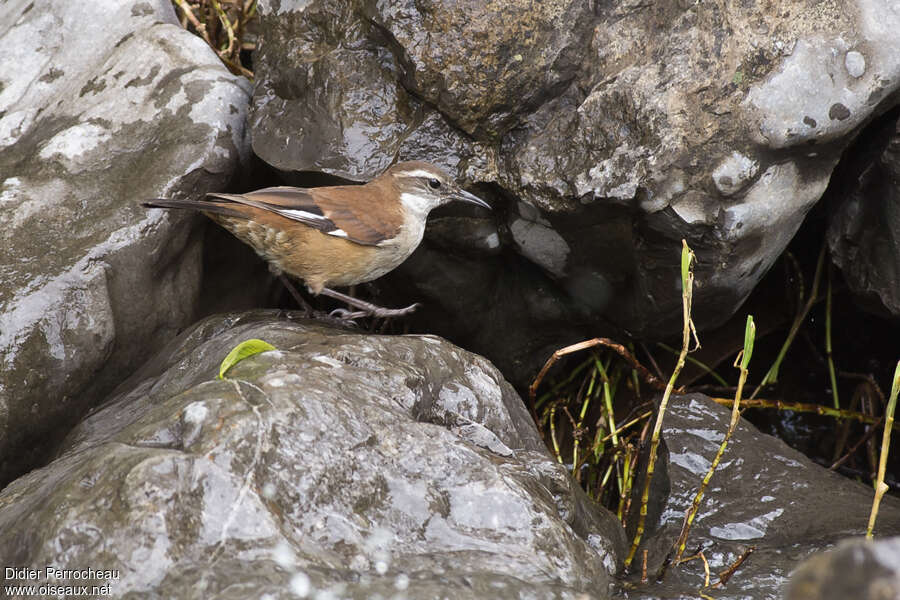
{"points": [[391, 253], [321, 259]]}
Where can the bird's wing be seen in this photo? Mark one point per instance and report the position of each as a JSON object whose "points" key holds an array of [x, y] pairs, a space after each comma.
{"points": [[362, 212], [344, 215]]}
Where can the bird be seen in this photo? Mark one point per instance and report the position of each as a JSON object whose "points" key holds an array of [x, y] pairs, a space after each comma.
{"points": [[335, 235]]}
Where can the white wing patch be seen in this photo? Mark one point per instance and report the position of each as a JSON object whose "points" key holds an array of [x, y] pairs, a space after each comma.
{"points": [[302, 215], [338, 233]]}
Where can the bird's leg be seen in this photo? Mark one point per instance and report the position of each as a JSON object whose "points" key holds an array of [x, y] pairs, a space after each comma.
{"points": [[296, 294], [367, 308]]}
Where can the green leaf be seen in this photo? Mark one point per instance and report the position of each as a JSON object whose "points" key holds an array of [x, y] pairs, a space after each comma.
{"points": [[243, 350], [687, 257], [749, 337]]}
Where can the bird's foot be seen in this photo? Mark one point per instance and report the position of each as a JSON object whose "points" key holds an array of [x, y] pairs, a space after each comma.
{"points": [[347, 315], [366, 308], [394, 312], [377, 311]]}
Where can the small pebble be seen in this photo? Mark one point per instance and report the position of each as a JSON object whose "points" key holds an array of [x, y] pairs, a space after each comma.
{"points": [[855, 63]]}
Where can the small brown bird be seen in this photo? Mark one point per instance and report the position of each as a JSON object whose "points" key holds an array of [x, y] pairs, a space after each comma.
{"points": [[338, 235]]}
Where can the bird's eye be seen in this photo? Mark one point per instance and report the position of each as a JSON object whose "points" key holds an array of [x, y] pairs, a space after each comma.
{"points": [[434, 184]]}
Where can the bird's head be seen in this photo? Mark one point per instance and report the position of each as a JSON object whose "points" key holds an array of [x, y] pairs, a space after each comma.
{"points": [[422, 187]]}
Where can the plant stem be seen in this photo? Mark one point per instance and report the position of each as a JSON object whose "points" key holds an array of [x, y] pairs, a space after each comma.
{"points": [[802, 407], [831, 371], [772, 374], [880, 486], [687, 283], [553, 434], [742, 363], [706, 369]]}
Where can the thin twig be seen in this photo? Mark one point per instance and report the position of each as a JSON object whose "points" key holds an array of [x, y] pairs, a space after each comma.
{"points": [[605, 342], [831, 371], [865, 438], [652, 361], [772, 374], [192, 19], [621, 428], [803, 407], [725, 575], [869, 378], [553, 433], [702, 366]]}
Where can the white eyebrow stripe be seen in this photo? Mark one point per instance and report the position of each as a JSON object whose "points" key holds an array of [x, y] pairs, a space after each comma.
{"points": [[418, 173]]}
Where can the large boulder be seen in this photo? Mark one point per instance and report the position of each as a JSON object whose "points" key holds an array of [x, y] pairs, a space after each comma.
{"points": [[765, 500], [346, 463], [102, 105], [604, 134]]}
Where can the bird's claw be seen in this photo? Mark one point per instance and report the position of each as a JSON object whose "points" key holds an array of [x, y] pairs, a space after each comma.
{"points": [[347, 315], [395, 312], [378, 312]]}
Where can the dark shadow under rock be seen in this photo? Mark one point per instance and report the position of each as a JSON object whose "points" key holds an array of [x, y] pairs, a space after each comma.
{"points": [[864, 231], [357, 464]]}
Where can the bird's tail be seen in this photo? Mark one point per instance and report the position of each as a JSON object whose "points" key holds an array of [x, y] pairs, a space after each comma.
{"points": [[219, 208]]}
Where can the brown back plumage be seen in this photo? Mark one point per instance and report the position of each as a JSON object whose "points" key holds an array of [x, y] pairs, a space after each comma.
{"points": [[359, 213]]}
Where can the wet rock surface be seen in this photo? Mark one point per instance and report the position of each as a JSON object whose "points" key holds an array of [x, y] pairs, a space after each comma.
{"points": [[341, 462], [763, 495], [602, 135], [856, 568], [357, 465], [101, 106], [363, 465]]}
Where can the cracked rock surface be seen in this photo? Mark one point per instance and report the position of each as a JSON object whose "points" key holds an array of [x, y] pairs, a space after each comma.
{"points": [[343, 461]]}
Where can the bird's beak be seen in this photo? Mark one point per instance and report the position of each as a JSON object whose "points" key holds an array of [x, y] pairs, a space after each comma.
{"points": [[464, 196]]}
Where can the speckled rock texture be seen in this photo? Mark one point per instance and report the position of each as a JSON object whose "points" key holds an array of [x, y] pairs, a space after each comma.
{"points": [[856, 568], [343, 464], [603, 132], [102, 105], [763, 495]]}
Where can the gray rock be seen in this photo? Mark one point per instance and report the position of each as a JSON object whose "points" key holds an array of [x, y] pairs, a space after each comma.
{"points": [[856, 568], [763, 495], [864, 227], [101, 105], [732, 174], [625, 128], [315, 62], [355, 464], [485, 64]]}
